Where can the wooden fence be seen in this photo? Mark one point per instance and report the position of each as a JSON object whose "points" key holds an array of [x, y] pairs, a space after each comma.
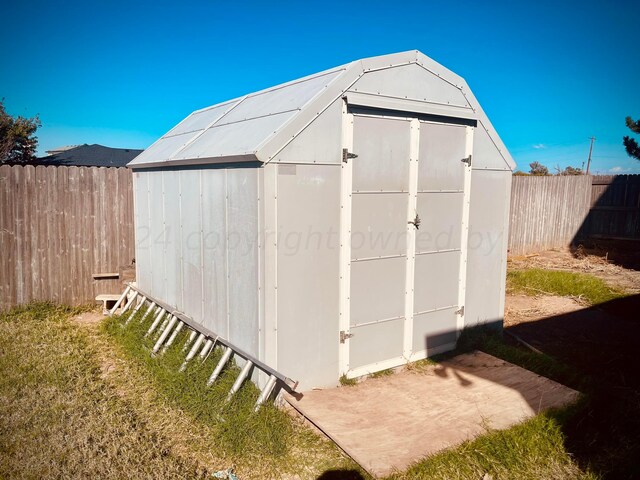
{"points": [[546, 212], [553, 212], [58, 227], [615, 208], [61, 225]]}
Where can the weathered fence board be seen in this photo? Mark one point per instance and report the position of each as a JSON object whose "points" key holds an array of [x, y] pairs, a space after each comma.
{"points": [[58, 226], [547, 212], [615, 207], [553, 212]]}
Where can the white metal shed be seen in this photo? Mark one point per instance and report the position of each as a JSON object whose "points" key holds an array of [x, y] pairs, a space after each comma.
{"points": [[340, 224]]}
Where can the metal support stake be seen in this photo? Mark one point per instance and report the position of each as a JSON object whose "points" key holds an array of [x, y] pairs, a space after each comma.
{"points": [[173, 336], [130, 302], [165, 333], [122, 297], [238, 383], [149, 310], [164, 324], [191, 338], [192, 352], [156, 321], [266, 391], [135, 310], [223, 361], [207, 346]]}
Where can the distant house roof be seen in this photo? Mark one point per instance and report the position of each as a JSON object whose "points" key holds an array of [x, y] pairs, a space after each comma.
{"points": [[89, 156]]}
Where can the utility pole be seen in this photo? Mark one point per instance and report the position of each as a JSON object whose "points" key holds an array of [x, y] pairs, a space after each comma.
{"points": [[590, 150]]}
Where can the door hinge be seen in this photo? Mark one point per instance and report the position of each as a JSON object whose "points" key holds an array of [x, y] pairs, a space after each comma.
{"points": [[344, 336], [460, 311], [467, 160], [346, 155]]}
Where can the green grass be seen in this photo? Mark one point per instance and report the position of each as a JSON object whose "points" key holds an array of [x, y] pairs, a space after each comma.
{"points": [[534, 449], [556, 282], [61, 416], [348, 382], [531, 450], [382, 373], [58, 417], [239, 431], [490, 341], [270, 439]]}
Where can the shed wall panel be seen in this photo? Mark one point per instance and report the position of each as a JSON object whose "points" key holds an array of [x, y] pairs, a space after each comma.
{"points": [[191, 238], [410, 81], [485, 152], [156, 235], [487, 246], [214, 227], [144, 267], [243, 270], [171, 239], [308, 212], [319, 142]]}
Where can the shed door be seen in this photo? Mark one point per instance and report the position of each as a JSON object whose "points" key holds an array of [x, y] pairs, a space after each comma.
{"points": [[403, 202]]}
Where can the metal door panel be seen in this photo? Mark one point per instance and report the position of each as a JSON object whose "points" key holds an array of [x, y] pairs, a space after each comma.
{"points": [[440, 226], [377, 289], [436, 280], [382, 146], [434, 329], [442, 148], [375, 343], [379, 222]]}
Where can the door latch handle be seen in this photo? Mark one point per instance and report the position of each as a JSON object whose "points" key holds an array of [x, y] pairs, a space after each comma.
{"points": [[415, 222]]}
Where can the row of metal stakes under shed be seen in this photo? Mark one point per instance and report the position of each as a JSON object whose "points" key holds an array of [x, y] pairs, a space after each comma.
{"points": [[167, 326]]}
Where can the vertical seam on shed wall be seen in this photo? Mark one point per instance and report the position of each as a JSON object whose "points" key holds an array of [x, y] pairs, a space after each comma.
{"points": [[412, 206], [226, 259], [464, 234], [202, 276]]}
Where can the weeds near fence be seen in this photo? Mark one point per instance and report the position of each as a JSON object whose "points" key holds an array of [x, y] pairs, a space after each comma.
{"points": [[581, 286]]}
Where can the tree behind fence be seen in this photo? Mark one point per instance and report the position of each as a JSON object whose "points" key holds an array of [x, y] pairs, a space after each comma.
{"points": [[59, 226]]}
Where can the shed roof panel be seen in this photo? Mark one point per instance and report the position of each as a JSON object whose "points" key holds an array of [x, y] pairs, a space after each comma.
{"points": [[284, 99], [233, 139], [261, 124], [201, 119]]}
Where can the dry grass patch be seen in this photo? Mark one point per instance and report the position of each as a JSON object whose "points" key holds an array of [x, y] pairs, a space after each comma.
{"points": [[59, 418]]}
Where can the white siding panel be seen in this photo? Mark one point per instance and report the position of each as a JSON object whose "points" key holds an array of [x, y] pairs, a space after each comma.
{"points": [[242, 214], [307, 275], [214, 228], [413, 82]]}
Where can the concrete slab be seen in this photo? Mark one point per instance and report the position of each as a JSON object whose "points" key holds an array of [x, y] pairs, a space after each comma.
{"points": [[387, 423]]}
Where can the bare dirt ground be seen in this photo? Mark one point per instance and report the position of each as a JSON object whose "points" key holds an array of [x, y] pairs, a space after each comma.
{"points": [[599, 344], [524, 308]]}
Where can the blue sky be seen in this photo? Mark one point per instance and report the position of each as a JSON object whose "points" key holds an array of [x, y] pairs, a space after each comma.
{"points": [[548, 74]]}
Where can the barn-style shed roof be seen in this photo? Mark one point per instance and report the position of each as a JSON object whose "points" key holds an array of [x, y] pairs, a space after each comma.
{"points": [[256, 127]]}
